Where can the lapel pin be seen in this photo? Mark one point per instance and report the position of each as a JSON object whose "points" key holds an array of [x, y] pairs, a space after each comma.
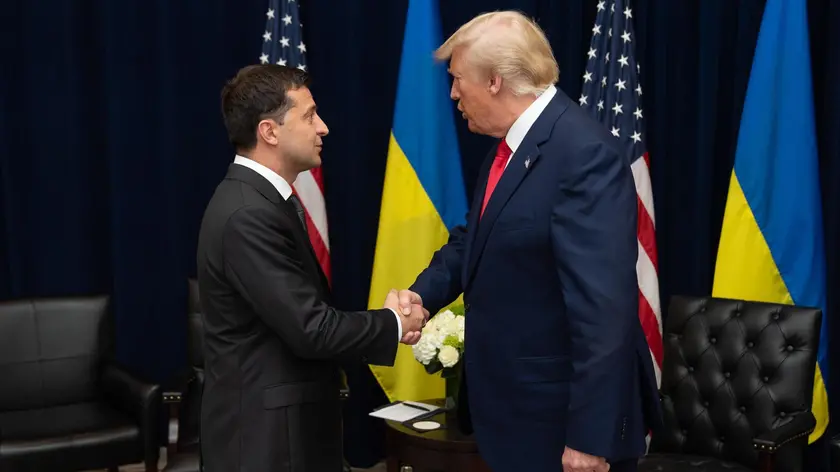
{"points": [[527, 162]]}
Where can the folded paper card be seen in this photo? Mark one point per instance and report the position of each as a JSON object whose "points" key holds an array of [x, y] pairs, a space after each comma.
{"points": [[405, 411]]}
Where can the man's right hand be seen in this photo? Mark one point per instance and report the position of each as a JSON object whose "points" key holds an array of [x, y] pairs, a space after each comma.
{"points": [[413, 314]]}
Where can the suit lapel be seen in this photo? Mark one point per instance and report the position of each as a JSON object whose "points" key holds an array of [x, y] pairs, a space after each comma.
{"points": [[478, 198], [522, 162], [252, 178]]}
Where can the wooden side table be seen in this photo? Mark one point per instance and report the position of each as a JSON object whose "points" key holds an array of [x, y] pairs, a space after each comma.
{"points": [[441, 450]]}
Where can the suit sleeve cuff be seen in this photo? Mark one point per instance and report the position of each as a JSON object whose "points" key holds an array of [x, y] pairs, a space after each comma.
{"points": [[399, 325]]}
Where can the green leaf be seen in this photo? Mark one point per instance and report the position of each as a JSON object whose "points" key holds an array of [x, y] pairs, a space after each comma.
{"points": [[452, 340], [457, 310]]}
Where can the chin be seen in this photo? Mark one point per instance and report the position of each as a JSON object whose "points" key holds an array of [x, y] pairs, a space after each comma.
{"points": [[472, 127]]}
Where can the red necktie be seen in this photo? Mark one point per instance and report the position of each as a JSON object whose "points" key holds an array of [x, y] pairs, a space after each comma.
{"points": [[502, 154]]}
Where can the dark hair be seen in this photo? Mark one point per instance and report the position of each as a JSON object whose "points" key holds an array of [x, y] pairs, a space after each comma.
{"points": [[258, 92]]}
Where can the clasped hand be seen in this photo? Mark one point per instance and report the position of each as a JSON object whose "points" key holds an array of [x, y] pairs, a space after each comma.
{"points": [[575, 461], [410, 306]]}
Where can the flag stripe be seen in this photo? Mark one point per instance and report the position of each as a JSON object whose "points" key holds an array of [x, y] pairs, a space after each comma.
{"points": [[657, 371], [318, 175], [313, 202], [322, 252], [641, 175], [647, 238], [650, 325], [649, 287]]}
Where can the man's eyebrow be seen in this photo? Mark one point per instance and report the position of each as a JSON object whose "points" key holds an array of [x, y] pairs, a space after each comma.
{"points": [[311, 109]]}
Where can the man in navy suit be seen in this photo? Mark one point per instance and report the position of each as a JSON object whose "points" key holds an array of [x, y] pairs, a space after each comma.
{"points": [[557, 369]]}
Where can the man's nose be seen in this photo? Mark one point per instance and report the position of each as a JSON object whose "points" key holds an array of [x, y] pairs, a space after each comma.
{"points": [[322, 128]]}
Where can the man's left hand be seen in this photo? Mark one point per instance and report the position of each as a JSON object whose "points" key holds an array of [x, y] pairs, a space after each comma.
{"points": [[574, 461]]}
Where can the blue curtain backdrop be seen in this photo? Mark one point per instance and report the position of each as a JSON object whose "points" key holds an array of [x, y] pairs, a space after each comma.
{"points": [[111, 142]]}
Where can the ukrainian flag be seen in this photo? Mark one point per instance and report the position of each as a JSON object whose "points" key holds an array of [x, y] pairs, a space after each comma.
{"points": [[771, 246], [423, 195]]}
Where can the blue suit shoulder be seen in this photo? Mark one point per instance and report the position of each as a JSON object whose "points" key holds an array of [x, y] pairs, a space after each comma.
{"points": [[580, 134]]}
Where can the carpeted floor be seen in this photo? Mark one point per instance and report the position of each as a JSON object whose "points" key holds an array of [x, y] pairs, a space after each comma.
{"points": [[139, 467]]}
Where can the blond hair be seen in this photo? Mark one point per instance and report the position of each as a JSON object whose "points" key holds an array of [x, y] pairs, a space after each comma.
{"points": [[508, 44]]}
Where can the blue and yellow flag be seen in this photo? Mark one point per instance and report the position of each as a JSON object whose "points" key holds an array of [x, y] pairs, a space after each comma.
{"points": [[771, 246], [423, 195]]}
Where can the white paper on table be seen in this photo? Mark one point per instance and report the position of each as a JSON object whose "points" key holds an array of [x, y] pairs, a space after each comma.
{"points": [[404, 411]]}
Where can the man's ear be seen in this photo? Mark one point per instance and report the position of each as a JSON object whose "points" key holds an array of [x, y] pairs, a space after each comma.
{"points": [[267, 131], [494, 85]]}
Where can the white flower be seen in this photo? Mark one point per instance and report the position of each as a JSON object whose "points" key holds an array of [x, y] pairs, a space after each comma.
{"points": [[446, 317], [448, 356], [435, 331], [440, 327], [459, 328], [425, 350]]}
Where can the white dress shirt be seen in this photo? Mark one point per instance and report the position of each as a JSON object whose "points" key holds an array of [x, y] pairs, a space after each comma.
{"points": [[516, 133], [285, 191], [278, 182]]}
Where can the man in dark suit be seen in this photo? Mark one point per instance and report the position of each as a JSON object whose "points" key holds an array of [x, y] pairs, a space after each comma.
{"points": [[272, 340], [557, 369]]}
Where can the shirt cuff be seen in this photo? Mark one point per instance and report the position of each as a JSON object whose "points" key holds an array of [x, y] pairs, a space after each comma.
{"points": [[399, 325]]}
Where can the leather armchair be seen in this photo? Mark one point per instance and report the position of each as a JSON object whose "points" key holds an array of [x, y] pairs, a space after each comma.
{"points": [[64, 403], [737, 385], [184, 398]]}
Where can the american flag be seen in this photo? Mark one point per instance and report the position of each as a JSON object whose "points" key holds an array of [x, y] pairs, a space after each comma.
{"points": [[612, 94], [283, 45]]}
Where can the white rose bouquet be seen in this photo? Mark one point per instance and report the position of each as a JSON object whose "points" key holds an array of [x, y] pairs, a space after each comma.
{"points": [[442, 343]]}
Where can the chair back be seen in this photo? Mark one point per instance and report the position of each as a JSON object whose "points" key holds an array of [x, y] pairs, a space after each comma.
{"points": [[190, 414], [195, 327], [733, 370], [51, 350]]}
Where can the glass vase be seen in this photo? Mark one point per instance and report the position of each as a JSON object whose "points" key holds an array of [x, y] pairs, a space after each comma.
{"points": [[452, 380]]}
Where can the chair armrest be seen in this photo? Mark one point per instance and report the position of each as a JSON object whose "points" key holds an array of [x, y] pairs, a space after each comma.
{"points": [[173, 394], [800, 426], [174, 389], [769, 443], [138, 398]]}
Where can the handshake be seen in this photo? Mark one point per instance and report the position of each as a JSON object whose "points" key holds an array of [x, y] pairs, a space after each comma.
{"points": [[409, 306]]}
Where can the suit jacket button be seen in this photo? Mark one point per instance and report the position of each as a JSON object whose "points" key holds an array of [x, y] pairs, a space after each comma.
{"points": [[466, 306]]}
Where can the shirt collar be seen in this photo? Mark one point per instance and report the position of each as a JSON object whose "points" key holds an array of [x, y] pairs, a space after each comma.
{"points": [[278, 182], [523, 124]]}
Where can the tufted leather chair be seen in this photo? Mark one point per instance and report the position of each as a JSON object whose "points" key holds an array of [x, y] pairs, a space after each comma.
{"points": [[737, 385], [64, 403]]}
